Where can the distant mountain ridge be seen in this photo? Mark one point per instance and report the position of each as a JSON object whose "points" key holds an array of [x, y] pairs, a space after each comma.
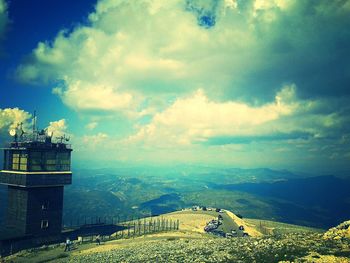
{"points": [[319, 201]]}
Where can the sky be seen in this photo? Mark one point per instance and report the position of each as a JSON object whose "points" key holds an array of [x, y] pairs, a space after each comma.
{"points": [[227, 83]]}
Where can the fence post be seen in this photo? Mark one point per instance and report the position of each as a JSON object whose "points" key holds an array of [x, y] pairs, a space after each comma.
{"points": [[134, 231], [139, 224]]}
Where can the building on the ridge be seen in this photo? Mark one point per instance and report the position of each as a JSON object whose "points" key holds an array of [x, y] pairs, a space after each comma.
{"points": [[35, 170]]}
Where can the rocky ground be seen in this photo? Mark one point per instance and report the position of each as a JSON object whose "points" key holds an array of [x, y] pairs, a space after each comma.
{"points": [[187, 245], [286, 248], [339, 232]]}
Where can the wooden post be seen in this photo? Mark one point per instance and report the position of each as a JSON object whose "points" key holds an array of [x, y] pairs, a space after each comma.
{"points": [[139, 223], [134, 229]]}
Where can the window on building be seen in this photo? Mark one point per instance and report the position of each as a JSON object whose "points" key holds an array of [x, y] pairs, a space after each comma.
{"points": [[35, 161], [23, 161], [45, 205], [15, 161], [63, 161], [50, 161], [19, 161], [7, 160], [44, 224]]}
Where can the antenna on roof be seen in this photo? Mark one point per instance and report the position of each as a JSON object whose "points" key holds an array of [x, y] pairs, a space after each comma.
{"points": [[20, 125], [34, 122]]}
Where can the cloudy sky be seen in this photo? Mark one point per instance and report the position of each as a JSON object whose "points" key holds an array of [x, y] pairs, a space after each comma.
{"points": [[222, 83]]}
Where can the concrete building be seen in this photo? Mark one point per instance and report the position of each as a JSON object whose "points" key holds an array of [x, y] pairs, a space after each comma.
{"points": [[35, 169]]}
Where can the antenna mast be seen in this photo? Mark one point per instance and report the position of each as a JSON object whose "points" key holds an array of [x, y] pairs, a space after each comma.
{"points": [[34, 122]]}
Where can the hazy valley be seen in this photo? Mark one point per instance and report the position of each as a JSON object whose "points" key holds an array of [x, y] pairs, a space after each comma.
{"points": [[322, 201]]}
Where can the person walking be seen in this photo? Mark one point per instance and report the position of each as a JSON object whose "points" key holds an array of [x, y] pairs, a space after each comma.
{"points": [[67, 246], [98, 240]]}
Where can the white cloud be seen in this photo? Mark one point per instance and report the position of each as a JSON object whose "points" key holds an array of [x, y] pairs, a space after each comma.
{"points": [[146, 59], [87, 96], [95, 139], [57, 128], [196, 119], [11, 117], [92, 125], [99, 142], [130, 52]]}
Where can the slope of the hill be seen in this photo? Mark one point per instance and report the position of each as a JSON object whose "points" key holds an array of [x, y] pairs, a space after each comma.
{"points": [[191, 244]]}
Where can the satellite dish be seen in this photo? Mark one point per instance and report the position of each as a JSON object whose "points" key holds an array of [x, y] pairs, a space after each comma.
{"points": [[13, 132]]}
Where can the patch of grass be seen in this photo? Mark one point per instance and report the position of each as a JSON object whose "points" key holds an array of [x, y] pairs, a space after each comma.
{"points": [[172, 238], [342, 253], [53, 258]]}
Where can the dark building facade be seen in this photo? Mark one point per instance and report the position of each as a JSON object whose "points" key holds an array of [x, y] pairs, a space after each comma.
{"points": [[35, 171]]}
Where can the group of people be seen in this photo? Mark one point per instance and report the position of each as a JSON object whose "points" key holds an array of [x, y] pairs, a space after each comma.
{"points": [[69, 243]]}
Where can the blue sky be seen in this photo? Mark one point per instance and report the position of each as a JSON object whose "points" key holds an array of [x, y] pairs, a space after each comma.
{"points": [[222, 83]]}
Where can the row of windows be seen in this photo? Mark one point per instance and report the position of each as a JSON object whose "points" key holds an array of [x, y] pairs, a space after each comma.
{"points": [[39, 161]]}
